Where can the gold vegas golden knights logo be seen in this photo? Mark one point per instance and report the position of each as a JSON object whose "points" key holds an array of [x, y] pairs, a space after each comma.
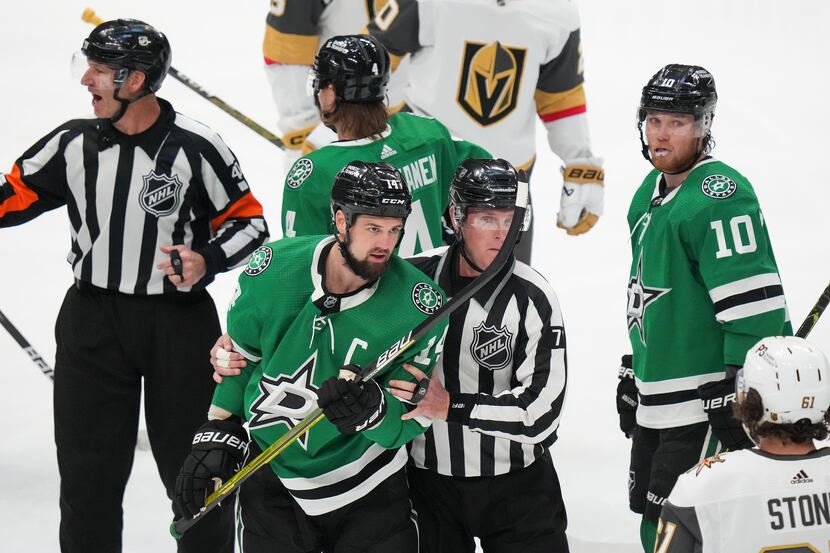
{"points": [[490, 79]]}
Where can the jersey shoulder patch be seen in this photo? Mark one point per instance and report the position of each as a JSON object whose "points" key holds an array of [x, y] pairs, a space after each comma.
{"points": [[426, 298], [718, 186], [260, 260], [299, 172]]}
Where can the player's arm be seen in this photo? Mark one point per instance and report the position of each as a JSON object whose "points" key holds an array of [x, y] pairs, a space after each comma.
{"points": [[397, 25], [236, 220], [245, 316], [306, 208], [678, 530], [729, 241], [392, 431], [290, 44], [561, 105], [37, 181], [531, 410]]}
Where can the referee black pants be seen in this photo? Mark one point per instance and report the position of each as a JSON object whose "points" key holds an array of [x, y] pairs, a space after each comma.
{"points": [[107, 345], [518, 512]]}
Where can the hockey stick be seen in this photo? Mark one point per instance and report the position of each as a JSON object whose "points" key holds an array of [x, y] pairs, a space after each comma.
{"points": [[178, 527], [90, 17], [815, 313], [44, 367]]}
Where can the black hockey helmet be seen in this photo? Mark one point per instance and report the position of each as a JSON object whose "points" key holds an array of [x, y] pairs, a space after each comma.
{"points": [[130, 45], [357, 65], [680, 89], [483, 183], [371, 189]]}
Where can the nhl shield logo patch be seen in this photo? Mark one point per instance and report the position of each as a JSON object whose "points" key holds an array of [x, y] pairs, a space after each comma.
{"points": [[718, 186], [160, 194], [491, 346], [488, 88]]}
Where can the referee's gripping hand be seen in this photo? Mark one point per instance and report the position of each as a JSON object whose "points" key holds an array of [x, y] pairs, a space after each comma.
{"points": [[193, 267]]}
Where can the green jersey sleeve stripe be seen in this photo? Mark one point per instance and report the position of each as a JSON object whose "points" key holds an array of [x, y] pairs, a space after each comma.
{"points": [[244, 353], [754, 308], [743, 285]]}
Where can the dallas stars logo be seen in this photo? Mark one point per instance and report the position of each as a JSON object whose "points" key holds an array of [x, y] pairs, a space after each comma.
{"points": [[286, 399], [640, 297]]}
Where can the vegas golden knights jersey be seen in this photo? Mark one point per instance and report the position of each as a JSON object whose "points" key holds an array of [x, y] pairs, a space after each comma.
{"points": [[487, 69]]}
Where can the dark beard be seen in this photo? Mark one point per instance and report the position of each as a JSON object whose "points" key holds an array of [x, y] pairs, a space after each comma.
{"points": [[365, 269]]}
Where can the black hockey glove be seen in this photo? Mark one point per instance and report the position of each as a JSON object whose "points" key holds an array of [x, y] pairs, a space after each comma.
{"points": [[217, 454], [718, 398], [351, 406], [627, 397]]}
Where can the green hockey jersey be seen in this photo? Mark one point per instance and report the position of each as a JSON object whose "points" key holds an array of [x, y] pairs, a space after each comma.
{"points": [[294, 335], [703, 288], [421, 147]]}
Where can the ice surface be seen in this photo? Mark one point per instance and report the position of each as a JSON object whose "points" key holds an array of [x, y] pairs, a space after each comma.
{"points": [[771, 124]]}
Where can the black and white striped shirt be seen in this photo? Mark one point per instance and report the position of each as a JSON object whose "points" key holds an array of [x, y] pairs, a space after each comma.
{"points": [[127, 195], [505, 368]]}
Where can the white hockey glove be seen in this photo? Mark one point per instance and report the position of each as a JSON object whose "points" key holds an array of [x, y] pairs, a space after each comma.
{"points": [[582, 195]]}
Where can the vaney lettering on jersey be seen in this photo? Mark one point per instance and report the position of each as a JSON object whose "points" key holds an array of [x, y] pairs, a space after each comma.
{"points": [[802, 511], [421, 172]]}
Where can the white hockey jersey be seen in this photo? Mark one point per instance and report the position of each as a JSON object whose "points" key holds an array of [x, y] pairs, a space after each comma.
{"points": [[486, 69], [750, 501]]}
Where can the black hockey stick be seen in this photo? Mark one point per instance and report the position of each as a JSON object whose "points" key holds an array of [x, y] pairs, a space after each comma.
{"points": [[90, 17], [179, 527], [815, 313], [44, 367]]}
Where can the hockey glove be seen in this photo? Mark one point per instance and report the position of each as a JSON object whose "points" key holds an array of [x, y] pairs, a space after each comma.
{"points": [[582, 195], [718, 398], [351, 406], [217, 453], [627, 400]]}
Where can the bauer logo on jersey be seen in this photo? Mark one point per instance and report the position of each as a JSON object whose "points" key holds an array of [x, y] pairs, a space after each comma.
{"points": [[259, 261], [488, 88], [718, 186], [160, 194], [426, 298], [299, 172], [491, 346]]}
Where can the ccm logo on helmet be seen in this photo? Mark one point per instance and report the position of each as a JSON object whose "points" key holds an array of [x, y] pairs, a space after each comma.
{"points": [[220, 438], [394, 201]]}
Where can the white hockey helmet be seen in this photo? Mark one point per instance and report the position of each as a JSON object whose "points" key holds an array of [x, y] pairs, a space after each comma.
{"points": [[791, 376]]}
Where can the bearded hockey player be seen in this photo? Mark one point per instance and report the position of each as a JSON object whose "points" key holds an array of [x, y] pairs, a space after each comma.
{"points": [[305, 308], [487, 69], [775, 497], [349, 83], [703, 288], [497, 393]]}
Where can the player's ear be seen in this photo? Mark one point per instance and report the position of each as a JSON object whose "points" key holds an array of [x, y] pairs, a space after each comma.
{"points": [[340, 222]]}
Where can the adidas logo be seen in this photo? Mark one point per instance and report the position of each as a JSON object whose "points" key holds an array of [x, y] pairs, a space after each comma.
{"points": [[386, 151], [801, 478]]}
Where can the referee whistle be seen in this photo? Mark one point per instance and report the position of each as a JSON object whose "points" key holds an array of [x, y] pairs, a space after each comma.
{"points": [[176, 262]]}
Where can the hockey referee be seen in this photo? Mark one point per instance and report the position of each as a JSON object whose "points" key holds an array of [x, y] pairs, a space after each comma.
{"points": [[483, 469], [157, 205]]}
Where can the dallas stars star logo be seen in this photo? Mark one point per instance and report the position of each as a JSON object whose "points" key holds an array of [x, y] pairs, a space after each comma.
{"points": [[286, 399], [640, 297]]}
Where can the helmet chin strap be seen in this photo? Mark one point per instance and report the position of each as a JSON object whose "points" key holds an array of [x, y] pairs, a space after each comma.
{"points": [[464, 254], [125, 103]]}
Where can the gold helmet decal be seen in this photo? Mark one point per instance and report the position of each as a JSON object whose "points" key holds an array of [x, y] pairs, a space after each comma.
{"points": [[490, 78]]}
